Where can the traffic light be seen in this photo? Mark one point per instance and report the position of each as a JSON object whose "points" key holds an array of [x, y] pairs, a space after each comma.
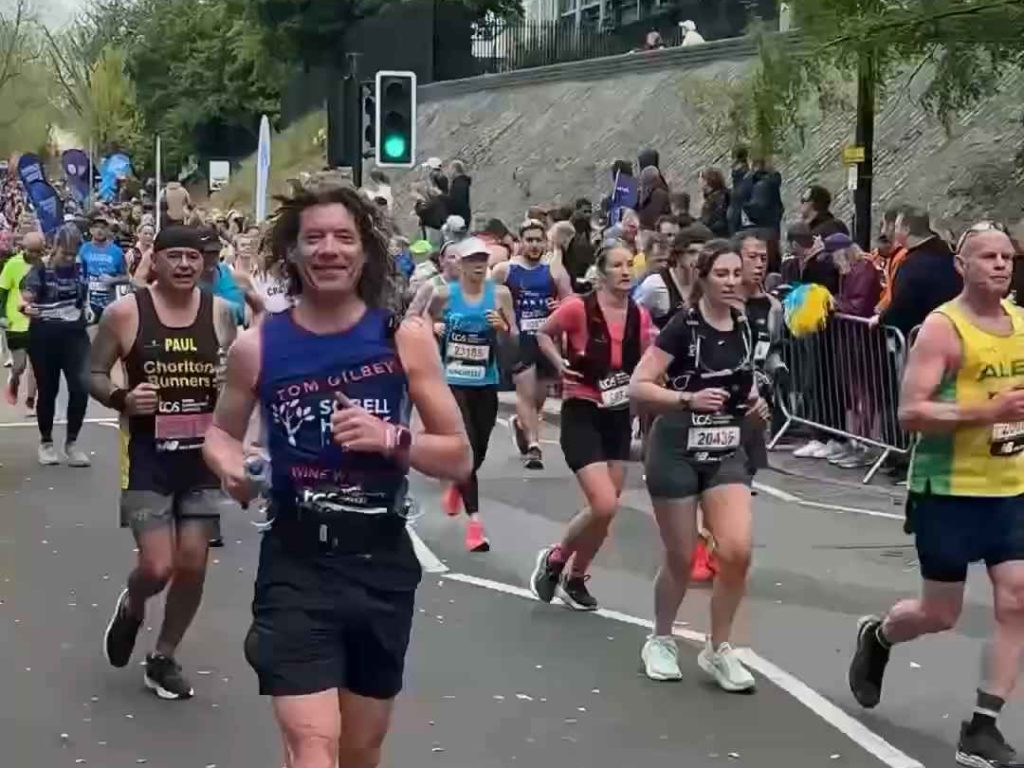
{"points": [[396, 119], [369, 119]]}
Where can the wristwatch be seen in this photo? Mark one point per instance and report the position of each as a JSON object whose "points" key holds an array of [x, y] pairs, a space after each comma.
{"points": [[402, 445], [685, 398], [119, 400]]}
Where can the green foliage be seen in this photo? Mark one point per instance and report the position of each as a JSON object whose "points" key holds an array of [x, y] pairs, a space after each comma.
{"points": [[24, 84]]}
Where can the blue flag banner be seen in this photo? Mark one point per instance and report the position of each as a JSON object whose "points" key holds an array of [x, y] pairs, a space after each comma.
{"points": [[76, 172], [45, 201], [624, 196], [30, 169], [112, 168]]}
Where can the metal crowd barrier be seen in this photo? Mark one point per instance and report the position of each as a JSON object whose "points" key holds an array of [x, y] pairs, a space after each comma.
{"points": [[844, 380]]}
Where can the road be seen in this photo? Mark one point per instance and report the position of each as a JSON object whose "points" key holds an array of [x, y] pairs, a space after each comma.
{"points": [[494, 678]]}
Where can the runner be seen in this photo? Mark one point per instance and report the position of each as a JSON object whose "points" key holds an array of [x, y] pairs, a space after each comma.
{"points": [[104, 268], [448, 267], [170, 337], [707, 401], [338, 575], [963, 392], [14, 271], [475, 313], [54, 296], [269, 278], [536, 290], [140, 255], [607, 335], [218, 278]]}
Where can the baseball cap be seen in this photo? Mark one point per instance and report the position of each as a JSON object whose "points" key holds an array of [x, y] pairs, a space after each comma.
{"points": [[421, 248], [471, 246], [837, 242], [179, 236]]}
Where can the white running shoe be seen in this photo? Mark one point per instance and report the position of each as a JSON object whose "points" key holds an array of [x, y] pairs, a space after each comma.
{"points": [[809, 450], [835, 448], [724, 665], [660, 655], [48, 455], [76, 456]]}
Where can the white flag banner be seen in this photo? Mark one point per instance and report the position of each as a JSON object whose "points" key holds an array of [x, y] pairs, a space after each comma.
{"points": [[262, 170]]}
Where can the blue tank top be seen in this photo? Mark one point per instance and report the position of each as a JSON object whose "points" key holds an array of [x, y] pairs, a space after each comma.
{"points": [[226, 287], [469, 341], [531, 288], [299, 374]]}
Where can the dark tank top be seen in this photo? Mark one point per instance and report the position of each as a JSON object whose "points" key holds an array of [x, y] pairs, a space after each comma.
{"points": [[163, 452]]}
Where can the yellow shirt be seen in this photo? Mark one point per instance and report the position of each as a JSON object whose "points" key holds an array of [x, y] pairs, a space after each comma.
{"points": [[985, 460], [639, 265]]}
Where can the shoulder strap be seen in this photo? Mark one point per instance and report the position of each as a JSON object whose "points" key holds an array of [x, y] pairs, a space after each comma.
{"points": [[631, 338]]}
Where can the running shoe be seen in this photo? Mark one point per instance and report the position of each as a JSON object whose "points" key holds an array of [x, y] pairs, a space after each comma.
{"points": [[164, 678], [119, 638], [217, 542], [451, 500], [476, 540], [533, 459], [11, 390], [725, 666], [546, 575], [572, 590], [867, 668], [48, 455], [983, 746], [809, 450], [76, 456], [30, 407], [660, 656], [518, 435]]}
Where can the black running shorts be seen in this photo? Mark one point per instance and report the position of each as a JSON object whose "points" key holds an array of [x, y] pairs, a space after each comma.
{"points": [[954, 531], [315, 627], [592, 435], [671, 473], [530, 356]]}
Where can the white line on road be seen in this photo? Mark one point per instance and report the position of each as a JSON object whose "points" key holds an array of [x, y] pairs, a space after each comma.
{"points": [[852, 728], [428, 560]]}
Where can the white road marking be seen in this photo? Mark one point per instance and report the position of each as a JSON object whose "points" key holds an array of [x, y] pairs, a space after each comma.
{"points": [[30, 422], [789, 498], [852, 728], [428, 560]]}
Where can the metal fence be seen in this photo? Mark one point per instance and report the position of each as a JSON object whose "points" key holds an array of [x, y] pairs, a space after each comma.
{"points": [[844, 380]]}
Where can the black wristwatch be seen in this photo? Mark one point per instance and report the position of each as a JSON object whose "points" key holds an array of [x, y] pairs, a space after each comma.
{"points": [[119, 400]]}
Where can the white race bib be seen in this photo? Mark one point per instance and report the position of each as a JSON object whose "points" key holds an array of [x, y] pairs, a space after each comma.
{"points": [[614, 390], [477, 353], [713, 438], [96, 285], [531, 324], [460, 370], [1007, 439], [761, 350]]}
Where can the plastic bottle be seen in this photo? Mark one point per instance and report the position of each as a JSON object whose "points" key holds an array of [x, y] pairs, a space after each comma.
{"points": [[257, 470]]}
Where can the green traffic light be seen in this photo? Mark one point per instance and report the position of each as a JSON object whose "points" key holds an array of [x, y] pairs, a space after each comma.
{"points": [[394, 146]]}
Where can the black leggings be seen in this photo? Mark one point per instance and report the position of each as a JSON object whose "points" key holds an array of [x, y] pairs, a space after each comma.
{"points": [[55, 349], [479, 407]]}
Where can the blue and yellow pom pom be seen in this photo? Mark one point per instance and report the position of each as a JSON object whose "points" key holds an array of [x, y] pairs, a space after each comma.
{"points": [[807, 308]]}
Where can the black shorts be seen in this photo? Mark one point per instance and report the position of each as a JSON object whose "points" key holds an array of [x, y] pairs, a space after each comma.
{"points": [[530, 356], [317, 626], [671, 474], [954, 531], [16, 341], [592, 435]]}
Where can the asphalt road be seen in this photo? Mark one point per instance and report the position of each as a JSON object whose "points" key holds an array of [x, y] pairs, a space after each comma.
{"points": [[494, 679]]}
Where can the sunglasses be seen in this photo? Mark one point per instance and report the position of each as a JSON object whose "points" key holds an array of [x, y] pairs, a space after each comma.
{"points": [[981, 226]]}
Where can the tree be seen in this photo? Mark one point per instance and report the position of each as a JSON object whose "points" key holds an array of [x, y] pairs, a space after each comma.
{"points": [[24, 83]]}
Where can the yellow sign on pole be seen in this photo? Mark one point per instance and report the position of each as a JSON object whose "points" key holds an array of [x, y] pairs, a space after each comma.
{"points": [[853, 155]]}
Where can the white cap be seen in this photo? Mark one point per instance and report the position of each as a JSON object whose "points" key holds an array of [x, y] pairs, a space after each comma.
{"points": [[434, 163], [471, 246]]}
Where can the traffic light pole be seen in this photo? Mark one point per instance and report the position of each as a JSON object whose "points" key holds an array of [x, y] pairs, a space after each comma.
{"points": [[354, 119]]}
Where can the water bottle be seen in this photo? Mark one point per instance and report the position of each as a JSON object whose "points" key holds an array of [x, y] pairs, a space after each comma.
{"points": [[257, 470]]}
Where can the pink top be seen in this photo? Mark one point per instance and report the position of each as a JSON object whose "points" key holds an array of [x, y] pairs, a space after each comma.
{"points": [[571, 319]]}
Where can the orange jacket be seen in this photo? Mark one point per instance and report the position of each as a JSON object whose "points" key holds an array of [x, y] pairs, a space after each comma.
{"points": [[891, 268]]}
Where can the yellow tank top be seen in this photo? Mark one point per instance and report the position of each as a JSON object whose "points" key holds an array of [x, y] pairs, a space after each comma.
{"points": [[985, 460]]}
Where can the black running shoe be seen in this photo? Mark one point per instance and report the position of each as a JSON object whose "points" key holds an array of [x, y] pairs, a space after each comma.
{"points": [[867, 667], [119, 638], [518, 435], [533, 458], [983, 746], [572, 591], [164, 678], [545, 576]]}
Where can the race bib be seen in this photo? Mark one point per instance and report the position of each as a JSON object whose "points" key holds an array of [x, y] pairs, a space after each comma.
{"points": [[459, 369], [122, 289], [173, 429], [96, 285], [473, 353], [531, 324], [761, 350], [65, 313], [614, 390], [1007, 439], [713, 438]]}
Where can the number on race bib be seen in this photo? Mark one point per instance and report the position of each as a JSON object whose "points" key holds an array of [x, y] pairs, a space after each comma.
{"points": [[713, 438], [1007, 439], [614, 390], [477, 353]]}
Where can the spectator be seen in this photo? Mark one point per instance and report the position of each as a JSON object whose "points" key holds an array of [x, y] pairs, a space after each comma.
{"points": [[177, 202], [653, 41], [500, 241], [435, 176], [679, 203], [860, 283], [560, 235], [926, 278], [624, 192], [814, 210], [431, 207], [809, 262], [690, 34], [458, 192], [628, 230], [714, 212], [560, 213], [653, 202], [896, 256], [667, 226], [664, 291], [648, 157], [580, 253], [741, 187]]}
